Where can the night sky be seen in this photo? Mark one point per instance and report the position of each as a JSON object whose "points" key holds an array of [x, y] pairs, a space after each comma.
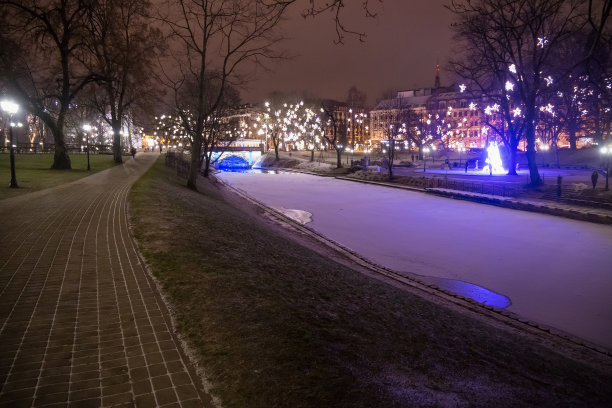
{"points": [[403, 44]]}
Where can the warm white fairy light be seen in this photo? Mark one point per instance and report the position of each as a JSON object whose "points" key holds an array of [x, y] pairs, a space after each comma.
{"points": [[542, 41], [549, 80]]}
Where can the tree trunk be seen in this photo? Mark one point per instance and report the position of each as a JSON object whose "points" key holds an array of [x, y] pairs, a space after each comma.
{"points": [[206, 165], [391, 158], [339, 156], [312, 155], [512, 159], [572, 135], [194, 165], [597, 121], [534, 175], [61, 160], [531, 153], [275, 143], [117, 156]]}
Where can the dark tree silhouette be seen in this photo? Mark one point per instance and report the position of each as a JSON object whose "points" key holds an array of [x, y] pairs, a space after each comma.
{"points": [[42, 60], [124, 47], [512, 47]]}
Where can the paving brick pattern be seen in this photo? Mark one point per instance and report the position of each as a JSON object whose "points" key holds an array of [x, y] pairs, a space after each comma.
{"points": [[81, 322]]}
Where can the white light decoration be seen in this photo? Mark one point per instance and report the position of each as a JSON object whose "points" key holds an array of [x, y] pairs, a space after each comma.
{"points": [[549, 80], [509, 86], [490, 109], [493, 160], [512, 68], [462, 88], [472, 106], [542, 42], [516, 112], [548, 108]]}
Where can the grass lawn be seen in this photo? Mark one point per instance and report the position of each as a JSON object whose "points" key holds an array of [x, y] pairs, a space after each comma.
{"points": [[33, 171], [275, 324]]}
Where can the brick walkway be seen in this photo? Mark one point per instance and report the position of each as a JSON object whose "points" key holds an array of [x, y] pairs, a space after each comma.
{"points": [[81, 322]]}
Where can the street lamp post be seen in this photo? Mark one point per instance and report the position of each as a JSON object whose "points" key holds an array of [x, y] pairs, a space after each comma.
{"points": [[607, 151], [11, 108], [425, 150], [87, 129]]}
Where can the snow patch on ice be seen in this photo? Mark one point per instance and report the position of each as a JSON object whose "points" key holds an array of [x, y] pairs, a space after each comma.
{"points": [[303, 217]]}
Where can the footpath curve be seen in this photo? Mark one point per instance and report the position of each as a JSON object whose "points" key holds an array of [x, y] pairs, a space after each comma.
{"points": [[82, 322]]}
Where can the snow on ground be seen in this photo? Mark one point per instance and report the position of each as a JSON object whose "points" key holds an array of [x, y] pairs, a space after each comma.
{"points": [[302, 217], [555, 271], [315, 166]]}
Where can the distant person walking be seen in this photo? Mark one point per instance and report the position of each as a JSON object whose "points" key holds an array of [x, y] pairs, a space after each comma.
{"points": [[133, 152], [594, 178], [160, 148]]}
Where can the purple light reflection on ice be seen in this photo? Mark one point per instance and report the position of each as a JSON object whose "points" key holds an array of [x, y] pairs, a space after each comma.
{"points": [[469, 290]]}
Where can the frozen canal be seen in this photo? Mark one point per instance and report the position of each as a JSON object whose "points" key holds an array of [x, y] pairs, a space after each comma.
{"points": [[553, 270]]}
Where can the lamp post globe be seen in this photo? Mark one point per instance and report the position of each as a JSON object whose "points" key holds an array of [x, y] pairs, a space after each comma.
{"points": [[425, 151], [11, 108]]}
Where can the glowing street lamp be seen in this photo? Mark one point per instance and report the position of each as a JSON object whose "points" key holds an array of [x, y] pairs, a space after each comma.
{"points": [[11, 108], [87, 129], [425, 151], [607, 151]]}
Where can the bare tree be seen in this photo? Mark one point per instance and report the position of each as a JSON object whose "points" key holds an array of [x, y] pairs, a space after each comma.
{"points": [[396, 122], [216, 39], [312, 132], [334, 129], [220, 130], [42, 60], [356, 101], [124, 47], [512, 47], [276, 119], [221, 37]]}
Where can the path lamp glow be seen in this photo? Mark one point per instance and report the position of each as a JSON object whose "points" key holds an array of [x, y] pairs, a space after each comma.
{"points": [[607, 151], [87, 129], [11, 108], [425, 151]]}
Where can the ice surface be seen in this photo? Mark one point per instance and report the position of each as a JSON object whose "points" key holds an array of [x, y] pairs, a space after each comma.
{"points": [[555, 271]]}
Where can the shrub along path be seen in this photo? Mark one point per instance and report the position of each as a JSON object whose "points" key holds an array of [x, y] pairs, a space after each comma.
{"points": [[81, 322]]}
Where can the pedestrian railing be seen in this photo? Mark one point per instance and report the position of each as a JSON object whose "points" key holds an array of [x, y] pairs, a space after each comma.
{"points": [[499, 189]]}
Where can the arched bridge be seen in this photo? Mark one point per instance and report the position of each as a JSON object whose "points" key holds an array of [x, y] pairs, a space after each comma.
{"points": [[236, 157]]}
